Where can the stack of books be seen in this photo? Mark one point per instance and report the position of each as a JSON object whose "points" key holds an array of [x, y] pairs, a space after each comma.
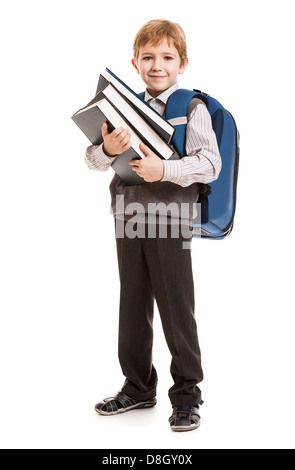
{"points": [[119, 106]]}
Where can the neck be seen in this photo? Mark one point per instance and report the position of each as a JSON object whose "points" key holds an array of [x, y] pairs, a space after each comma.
{"points": [[154, 93]]}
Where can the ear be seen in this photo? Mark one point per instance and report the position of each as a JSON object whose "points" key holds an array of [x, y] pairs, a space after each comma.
{"points": [[135, 66], [183, 66]]}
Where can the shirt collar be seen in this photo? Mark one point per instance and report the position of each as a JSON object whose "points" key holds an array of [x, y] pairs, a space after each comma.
{"points": [[163, 96]]}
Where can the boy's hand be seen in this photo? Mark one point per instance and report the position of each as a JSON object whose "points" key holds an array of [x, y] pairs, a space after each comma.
{"points": [[115, 142], [150, 168]]}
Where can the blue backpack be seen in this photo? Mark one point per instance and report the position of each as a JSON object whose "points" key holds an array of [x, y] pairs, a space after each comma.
{"points": [[215, 220]]}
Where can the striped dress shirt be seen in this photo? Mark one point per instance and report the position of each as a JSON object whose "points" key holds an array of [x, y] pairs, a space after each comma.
{"points": [[202, 163]]}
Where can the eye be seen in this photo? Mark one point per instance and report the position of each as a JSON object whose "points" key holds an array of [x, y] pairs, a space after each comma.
{"points": [[147, 58], [168, 57]]}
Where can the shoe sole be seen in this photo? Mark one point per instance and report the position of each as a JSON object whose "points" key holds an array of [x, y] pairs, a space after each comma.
{"points": [[185, 428], [138, 406]]}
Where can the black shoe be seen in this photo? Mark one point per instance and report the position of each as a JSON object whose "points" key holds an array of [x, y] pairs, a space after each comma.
{"points": [[121, 403], [185, 418]]}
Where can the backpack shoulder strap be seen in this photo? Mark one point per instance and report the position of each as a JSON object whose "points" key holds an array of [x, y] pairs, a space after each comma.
{"points": [[177, 114]]}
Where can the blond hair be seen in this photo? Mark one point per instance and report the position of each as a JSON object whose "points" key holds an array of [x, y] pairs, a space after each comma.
{"points": [[155, 31]]}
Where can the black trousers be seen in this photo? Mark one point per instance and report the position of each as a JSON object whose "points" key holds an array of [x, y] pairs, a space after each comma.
{"points": [[158, 268]]}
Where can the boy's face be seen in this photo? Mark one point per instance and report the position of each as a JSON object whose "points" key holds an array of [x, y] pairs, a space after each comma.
{"points": [[159, 66]]}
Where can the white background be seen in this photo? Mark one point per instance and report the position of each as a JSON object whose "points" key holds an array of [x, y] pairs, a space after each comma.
{"points": [[59, 281]]}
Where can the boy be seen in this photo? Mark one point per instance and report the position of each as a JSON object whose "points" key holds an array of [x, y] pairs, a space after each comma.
{"points": [[157, 267]]}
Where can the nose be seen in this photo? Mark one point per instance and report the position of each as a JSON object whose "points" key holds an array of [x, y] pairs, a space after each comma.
{"points": [[157, 64]]}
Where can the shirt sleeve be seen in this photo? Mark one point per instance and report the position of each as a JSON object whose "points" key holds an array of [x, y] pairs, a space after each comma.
{"points": [[96, 159], [203, 162]]}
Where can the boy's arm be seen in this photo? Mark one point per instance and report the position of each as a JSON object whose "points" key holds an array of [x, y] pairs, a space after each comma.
{"points": [[100, 157], [96, 159], [203, 162]]}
